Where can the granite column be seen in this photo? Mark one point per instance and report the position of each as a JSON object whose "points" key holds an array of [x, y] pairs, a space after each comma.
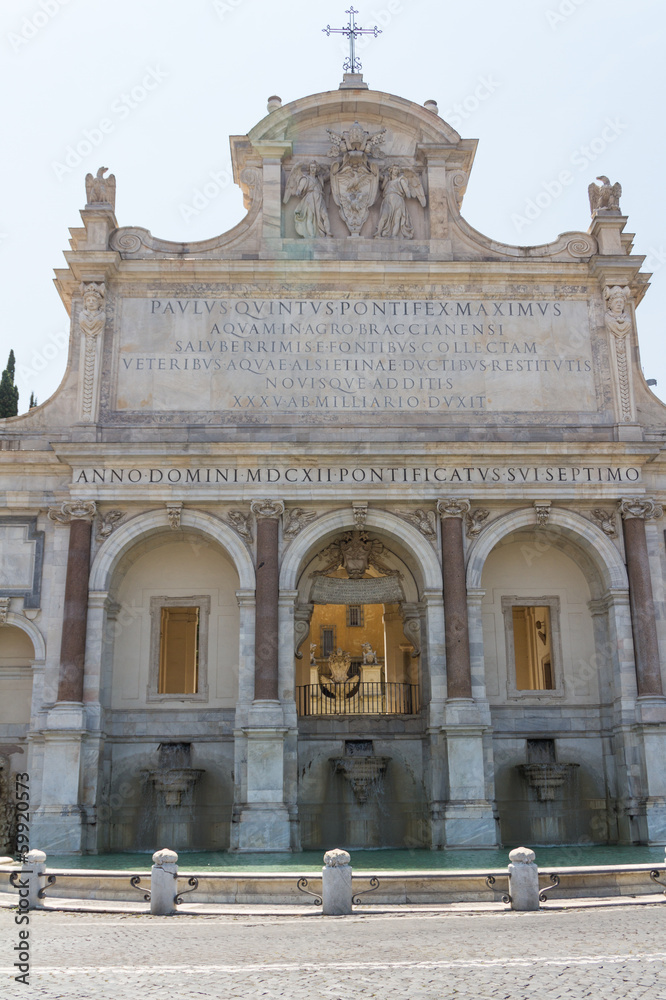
{"points": [[458, 668], [79, 515], [267, 513], [644, 626]]}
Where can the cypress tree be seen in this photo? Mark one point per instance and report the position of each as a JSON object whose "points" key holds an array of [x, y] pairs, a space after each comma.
{"points": [[9, 394], [33, 401]]}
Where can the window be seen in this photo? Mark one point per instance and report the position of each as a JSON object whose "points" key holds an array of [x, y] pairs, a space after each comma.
{"points": [[355, 616], [179, 651], [531, 643], [533, 650], [178, 648], [327, 640]]}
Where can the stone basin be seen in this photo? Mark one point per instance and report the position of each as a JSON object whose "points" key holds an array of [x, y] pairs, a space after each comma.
{"points": [[546, 778], [361, 771], [175, 782]]}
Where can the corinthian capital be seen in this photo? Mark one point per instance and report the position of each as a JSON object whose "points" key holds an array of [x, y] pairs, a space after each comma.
{"points": [[271, 509], [452, 507], [641, 508], [73, 510]]}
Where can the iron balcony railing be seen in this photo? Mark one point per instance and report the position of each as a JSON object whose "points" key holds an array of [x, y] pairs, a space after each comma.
{"points": [[354, 698]]}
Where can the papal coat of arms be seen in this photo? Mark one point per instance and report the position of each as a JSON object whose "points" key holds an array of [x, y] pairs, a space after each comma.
{"points": [[354, 176]]}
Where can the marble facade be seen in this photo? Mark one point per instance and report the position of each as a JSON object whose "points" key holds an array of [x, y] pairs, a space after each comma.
{"points": [[353, 357]]}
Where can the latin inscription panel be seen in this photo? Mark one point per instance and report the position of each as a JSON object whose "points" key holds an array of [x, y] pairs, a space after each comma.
{"points": [[354, 355]]}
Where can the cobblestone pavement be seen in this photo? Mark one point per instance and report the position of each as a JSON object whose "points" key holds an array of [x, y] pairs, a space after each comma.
{"points": [[604, 953]]}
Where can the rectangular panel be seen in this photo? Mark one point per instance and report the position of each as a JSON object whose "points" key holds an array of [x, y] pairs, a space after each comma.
{"points": [[354, 356]]}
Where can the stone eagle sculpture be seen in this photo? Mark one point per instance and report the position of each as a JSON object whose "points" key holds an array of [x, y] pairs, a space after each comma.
{"points": [[101, 190], [604, 197]]}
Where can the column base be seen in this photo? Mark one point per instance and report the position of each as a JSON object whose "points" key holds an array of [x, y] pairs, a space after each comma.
{"points": [[470, 825], [655, 816], [262, 828], [57, 830]]}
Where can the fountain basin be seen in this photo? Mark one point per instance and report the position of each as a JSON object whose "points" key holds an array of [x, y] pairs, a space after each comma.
{"points": [[546, 778], [361, 771], [174, 783]]}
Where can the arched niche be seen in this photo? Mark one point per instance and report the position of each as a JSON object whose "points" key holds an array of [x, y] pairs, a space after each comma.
{"points": [[17, 656], [399, 619], [140, 529], [163, 572]]}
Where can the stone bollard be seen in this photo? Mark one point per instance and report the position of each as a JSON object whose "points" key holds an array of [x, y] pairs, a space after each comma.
{"points": [[32, 879], [523, 880], [163, 883], [336, 884]]}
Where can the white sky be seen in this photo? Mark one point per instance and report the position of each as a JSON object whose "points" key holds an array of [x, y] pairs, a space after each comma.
{"points": [[556, 73]]}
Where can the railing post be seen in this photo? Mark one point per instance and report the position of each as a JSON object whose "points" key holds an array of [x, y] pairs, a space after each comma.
{"points": [[336, 884], [523, 880], [32, 880], [163, 883]]}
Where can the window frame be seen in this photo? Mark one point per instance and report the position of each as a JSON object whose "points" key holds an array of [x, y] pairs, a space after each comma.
{"points": [[361, 616], [553, 604], [201, 601]]}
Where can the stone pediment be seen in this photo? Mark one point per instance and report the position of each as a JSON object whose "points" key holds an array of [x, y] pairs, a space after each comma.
{"points": [[309, 196]]}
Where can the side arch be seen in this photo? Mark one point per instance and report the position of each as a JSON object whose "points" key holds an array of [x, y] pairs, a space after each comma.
{"points": [[600, 551], [422, 552], [31, 631], [154, 522]]}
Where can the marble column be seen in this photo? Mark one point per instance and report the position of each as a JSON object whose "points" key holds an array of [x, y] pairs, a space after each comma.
{"points": [[79, 514], [646, 647], [458, 669], [59, 817], [262, 818], [267, 513]]}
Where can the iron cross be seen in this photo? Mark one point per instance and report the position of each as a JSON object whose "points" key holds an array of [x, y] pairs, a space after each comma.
{"points": [[352, 32]]}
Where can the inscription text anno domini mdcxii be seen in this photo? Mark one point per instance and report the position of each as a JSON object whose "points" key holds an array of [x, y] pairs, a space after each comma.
{"points": [[398, 355]]}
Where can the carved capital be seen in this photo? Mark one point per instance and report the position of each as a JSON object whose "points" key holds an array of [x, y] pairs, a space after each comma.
{"points": [[271, 509], [174, 510], [113, 609], [452, 507], [73, 510], [640, 508], [4, 609], [474, 521], [542, 511]]}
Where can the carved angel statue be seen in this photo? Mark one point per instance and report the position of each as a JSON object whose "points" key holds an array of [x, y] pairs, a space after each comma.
{"points": [[604, 197], [313, 654], [101, 190], [398, 185], [306, 181]]}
